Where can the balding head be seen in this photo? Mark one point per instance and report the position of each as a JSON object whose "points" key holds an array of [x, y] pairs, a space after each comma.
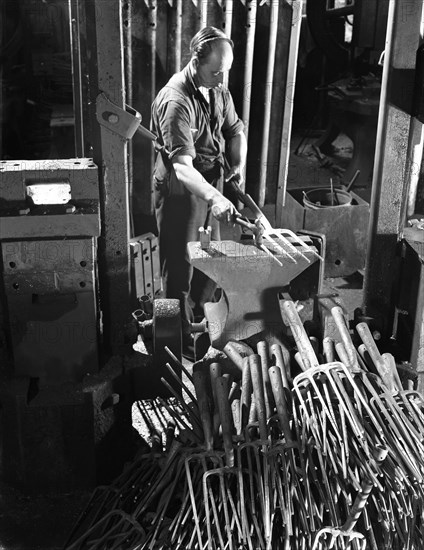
{"points": [[205, 40], [212, 57]]}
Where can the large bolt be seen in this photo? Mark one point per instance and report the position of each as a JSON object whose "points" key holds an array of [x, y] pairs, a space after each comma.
{"points": [[113, 119]]}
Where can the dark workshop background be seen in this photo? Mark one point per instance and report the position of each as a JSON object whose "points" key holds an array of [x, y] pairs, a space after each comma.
{"points": [[38, 118]]}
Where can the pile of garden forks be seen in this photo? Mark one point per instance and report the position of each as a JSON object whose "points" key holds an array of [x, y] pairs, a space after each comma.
{"points": [[332, 457]]}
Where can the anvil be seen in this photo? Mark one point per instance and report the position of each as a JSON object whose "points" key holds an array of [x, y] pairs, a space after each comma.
{"points": [[250, 281]]}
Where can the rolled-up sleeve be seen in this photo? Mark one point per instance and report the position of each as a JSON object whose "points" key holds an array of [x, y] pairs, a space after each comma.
{"points": [[174, 125], [232, 124]]}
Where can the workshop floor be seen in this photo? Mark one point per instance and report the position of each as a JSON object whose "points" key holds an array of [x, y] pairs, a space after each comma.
{"points": [[44, 522], [37, 522]]}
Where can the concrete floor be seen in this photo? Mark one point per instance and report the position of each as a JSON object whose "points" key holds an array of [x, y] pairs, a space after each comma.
{"points": [[44, 522]]}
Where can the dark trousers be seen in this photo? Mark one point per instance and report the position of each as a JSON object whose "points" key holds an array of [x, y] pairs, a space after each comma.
{"points": [[178, 219]]}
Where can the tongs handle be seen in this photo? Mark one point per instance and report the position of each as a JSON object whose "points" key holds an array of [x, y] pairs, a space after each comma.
{"points": [[245, 198], [244, 223]]}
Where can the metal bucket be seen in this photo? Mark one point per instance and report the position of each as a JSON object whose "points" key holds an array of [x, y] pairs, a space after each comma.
{"points": [[323, 198]]}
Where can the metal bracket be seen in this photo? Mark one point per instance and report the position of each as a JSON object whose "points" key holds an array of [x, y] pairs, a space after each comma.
{"points": [[124, 122]]}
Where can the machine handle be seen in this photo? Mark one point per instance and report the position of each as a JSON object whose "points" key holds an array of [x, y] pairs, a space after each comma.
{"points": [[146, 133]]}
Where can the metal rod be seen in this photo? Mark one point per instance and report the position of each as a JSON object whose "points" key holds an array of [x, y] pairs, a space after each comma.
{"points": [[77, 87], [228, 25], [251, 8], [179, 364], [127, 18], [269, 84], [178, 33], [203, 13], [286, 126]]}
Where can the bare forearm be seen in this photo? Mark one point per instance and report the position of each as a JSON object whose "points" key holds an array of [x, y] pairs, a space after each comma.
{"points": [[237, 147], [195, 182], [221, 207]]}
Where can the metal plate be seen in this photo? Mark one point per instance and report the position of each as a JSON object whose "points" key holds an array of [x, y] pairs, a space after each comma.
{"points": [[146, 266]]}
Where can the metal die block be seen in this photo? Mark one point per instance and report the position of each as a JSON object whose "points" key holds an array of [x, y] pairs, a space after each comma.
{"points": [[81, 173], [34, 204]]}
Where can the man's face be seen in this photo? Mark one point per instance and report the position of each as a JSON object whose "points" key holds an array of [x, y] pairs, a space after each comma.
{"points": [[210, 73]]}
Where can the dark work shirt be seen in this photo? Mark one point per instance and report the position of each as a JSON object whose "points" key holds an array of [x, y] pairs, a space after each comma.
{"points": [[184, 125]]}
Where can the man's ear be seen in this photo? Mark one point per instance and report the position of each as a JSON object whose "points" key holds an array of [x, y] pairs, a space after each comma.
{"points": [[195, 62]]}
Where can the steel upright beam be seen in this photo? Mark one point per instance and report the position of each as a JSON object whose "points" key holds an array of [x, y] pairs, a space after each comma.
{"points": [[390, 187], [106, 70]]}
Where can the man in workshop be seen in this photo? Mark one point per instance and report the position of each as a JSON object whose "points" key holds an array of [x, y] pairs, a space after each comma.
{"points": [[197, 130]]}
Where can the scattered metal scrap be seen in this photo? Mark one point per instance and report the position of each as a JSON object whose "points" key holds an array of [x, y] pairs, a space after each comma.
{"points": [[330, 458]]}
